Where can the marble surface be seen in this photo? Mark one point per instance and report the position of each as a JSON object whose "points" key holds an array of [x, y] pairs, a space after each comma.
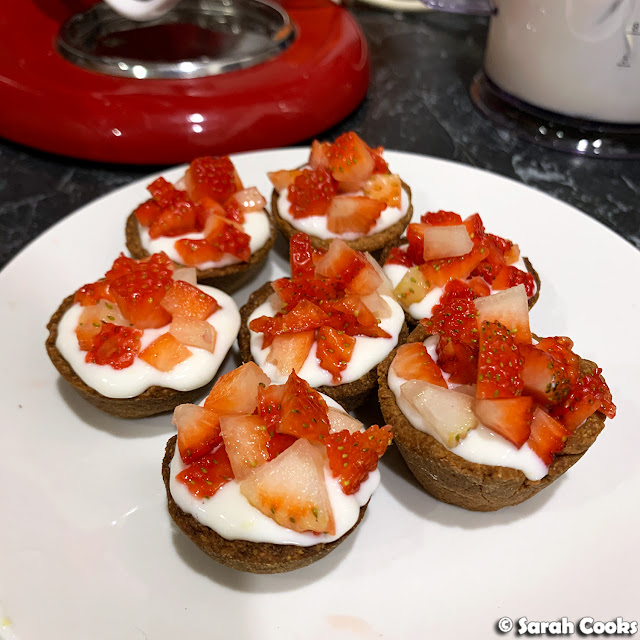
{"points": [[422, 66]]}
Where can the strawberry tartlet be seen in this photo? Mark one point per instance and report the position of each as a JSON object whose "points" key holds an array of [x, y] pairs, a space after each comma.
{"points": [[268, 478], [207, 220], [493, 427], [333, 321], [443, 246], [345, 191], [143, 339]]}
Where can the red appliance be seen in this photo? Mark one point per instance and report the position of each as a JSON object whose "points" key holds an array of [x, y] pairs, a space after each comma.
{"points": [[53, 103]]}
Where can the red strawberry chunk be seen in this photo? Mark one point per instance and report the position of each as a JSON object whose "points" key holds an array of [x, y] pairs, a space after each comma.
{"points": [[236, 392], [301, 256], [226, 236], [176, 219], [278, 442], [353, 214], [311, 193], [195, 252], [115, 346], [92, 293], [162, 192], [304, 412], [198, 431], [270, 404], [399, 256], [508, 417], [439, 272], [334, 350], [459, 360], [455, 316], [441, 218], [147, 212], [544, 377], [211, 472], [340, 262], [350, 159], [342, 318], [294, 290], [499, 363], [548, 436], [413, 362], [184, 299], [510, 276], [415, 238], [318, 154], [213, 177], [352, 456], [475, 228], [379, 163], [165, 353], [560, 348]]}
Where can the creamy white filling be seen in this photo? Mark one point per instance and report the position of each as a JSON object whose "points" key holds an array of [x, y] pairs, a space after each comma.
{"points": [[317, 225], [367, 353], [256, 225], [481, 445], [231, 515], [424, 308], [193, 373]]}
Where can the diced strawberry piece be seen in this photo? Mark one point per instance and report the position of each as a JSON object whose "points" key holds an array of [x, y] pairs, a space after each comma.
{"points": [[165, 353], [547, 437], [193, 333], [304, 412], [560, 348], [195, 252], [415, 238], [479, 287], [93, 317], [398, 256], [301, 256], [503, 245], [92, 293], [223, 234], [278, 442], [289, 351], [412, 288], [175, 220], [213, 177], [446, 242], [508, 417], [377, 305], [352, 456], [475, 227], [232, 211], [353, 305], [303, 317], [248, 200], [198, 431], [318, 155], [211, 472], [499, 363], [492, 260], [353, 317], [245, 440], [291, 489], [209, 206], [510, 308], [459, 360], [353, 214], [441, 218], [311, 193], [115, 345], [544, 377], [439, 272], [385, 187], [294, 290], [334, 350], [147, 212], [162, 191], [350, 159], [270, 404], [365, 282], [339, 420], [340, 262], [283, 179], [236, 392], [510, 276], [183, 299], [413, 362], [379, 163], [588, 395]]}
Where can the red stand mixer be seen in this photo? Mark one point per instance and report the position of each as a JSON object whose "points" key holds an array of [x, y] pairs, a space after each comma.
{"points": [[209, 77]]}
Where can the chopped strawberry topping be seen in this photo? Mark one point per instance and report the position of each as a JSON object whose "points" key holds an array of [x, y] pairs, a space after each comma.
{"points": [[510, 276], [334, 351], [548, 436], [413, 362], [198, 431], [165, 353], [213, 177], [208, 474], [311, 193], [350, 159], [544, 377], [508, 417], [183, 299], [301, 256], [441, 218], [115, 346], [270, 404]]}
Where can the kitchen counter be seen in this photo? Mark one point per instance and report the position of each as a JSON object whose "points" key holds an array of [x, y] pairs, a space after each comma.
{"points": [[418, 101]]}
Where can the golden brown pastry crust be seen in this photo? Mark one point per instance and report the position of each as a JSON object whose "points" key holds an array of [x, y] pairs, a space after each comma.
{"points": [[350, 395], [253, 557], [452, 479], [229, 278], [373, 243], [150, 402]]}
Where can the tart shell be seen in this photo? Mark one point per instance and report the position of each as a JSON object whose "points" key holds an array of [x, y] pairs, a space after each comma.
{"points": [[152, 401], [477, 487], [253, 557], [229, 278], [350, 395], [373, 243]]}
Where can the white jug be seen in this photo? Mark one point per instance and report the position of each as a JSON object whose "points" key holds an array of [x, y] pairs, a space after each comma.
{"points": [[142, 9]]}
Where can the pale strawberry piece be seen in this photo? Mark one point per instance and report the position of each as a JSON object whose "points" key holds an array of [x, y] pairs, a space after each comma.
{"points": [[198, 431], [283, 179], [318, 155], [412, 288], [508, 417], [93, 317], [289, 351], [510, 308], [184, 299], [386, 187], [193, 333], [188, 274], [366, 281], [245, 439], [291, 489], [248, 200], [340, 262], [340, 420], [353, 214], [236, 392], [377, 305], [446, 242], [165, 353]]}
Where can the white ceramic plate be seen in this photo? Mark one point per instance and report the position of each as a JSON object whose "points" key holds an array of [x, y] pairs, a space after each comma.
{"points": [[87, 549]]}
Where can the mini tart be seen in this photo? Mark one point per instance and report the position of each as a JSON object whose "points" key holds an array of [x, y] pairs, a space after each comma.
{"points": [[374, 243], [350, 395], [150, 402], [253, 557], [228, 278], [454, 480]]}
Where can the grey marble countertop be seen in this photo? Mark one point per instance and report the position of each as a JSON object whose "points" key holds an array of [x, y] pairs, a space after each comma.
{"points": [[418, 101]]}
